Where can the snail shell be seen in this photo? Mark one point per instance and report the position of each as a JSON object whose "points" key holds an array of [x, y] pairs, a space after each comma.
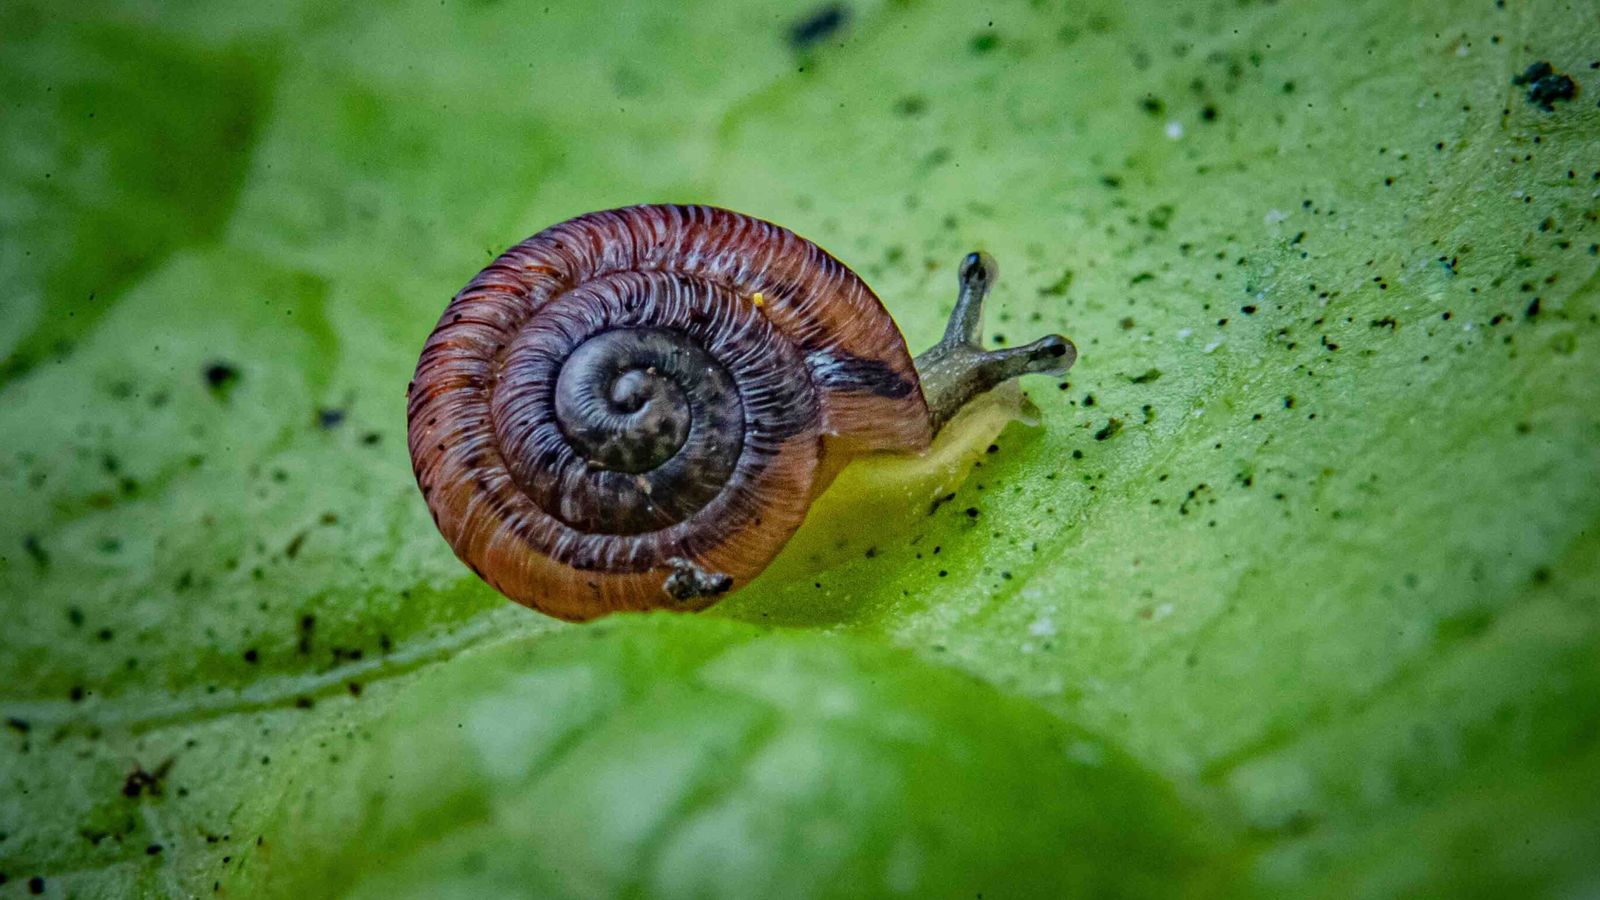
{"points": [[635, 408]]}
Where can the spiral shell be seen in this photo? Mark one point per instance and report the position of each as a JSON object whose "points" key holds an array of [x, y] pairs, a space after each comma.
{"points": [[635, 408]]}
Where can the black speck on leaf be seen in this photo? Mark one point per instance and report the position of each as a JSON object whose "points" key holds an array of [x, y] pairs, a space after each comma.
{"points": [[1058, 287], [35, 550], [911, 105], [1112, 427], [1146, 376], [1545, 85], [819, 26], [221, 377], [140, 782]]}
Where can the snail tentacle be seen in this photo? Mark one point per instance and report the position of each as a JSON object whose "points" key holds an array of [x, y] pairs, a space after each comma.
{"points": [[957, 369]]}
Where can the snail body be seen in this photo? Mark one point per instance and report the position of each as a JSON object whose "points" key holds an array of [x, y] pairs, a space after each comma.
{"points": [[634, 409]]}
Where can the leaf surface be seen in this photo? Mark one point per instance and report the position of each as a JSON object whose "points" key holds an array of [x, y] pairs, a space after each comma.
{"points": [[1292, 589]]}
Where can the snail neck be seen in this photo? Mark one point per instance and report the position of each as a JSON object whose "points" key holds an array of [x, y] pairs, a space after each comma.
{"points": [[957, 369]]}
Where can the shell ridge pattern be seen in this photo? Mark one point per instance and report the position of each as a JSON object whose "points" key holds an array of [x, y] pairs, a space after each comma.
{"points": [[724, 439]]}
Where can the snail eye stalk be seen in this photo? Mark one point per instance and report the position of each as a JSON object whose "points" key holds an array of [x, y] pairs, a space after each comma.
{"points": [[957, 369]]}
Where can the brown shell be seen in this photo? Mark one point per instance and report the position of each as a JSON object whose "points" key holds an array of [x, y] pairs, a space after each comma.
{"points": [[775, 310]]}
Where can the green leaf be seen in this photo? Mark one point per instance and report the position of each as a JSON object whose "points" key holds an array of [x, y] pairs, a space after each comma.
{"points": [[1291, 588], [675, 757]]}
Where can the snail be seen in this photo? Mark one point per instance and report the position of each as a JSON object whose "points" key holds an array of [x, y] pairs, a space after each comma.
{"points": [[633, 409]]}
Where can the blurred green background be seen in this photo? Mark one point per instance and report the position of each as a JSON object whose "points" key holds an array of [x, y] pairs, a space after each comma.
{"points": [[1293, 591]]}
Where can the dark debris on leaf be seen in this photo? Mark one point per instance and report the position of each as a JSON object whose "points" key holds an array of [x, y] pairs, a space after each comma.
{"points": [[307, 633], [911, 105], [141, 783], [35, 550], [1058, 287], [818, 26], [1545, 85], [220, 377]]}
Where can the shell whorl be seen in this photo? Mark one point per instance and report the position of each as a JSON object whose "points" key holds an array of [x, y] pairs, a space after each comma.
{"points": [[633, 391]]}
